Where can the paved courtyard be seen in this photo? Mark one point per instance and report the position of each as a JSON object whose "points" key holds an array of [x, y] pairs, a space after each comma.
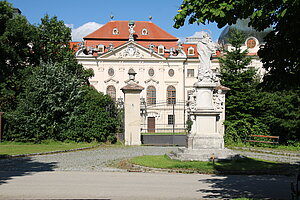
{"points": [[85, 175]]}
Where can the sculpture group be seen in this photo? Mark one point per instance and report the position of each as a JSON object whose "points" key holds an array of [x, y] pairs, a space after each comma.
{"points": [[206, 111]]}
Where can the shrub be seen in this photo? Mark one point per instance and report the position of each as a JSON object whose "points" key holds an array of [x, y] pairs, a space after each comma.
{"points": [[95, 118], [238, 130]]}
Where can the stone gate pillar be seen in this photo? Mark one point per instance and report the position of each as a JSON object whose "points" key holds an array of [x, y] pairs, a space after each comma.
{"points": [[132, 90]]}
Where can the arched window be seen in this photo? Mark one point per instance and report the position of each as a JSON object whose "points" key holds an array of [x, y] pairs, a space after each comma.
{"points": [[151, 95], [171, 95], [111, 91]]}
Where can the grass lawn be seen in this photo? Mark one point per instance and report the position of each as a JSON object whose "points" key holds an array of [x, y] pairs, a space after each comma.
{"points": [[14, 148], [244, 166]]}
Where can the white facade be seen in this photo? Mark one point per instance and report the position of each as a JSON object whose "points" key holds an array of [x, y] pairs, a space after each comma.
{"points": [[166, 69]]}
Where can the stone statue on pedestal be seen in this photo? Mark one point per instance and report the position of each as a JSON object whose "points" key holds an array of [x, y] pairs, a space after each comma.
{"points": [[205, 48], [205, 110]]}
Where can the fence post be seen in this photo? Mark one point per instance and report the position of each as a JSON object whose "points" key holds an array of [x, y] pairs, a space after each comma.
{"points": [[173, 118]]}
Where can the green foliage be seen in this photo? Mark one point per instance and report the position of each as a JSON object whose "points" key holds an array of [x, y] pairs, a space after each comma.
{"points": [[6, 13], [56, 106], [15, 35], [239, 130], [23, 46], [240, 101], [280, 54], [280, 111], [41, 85], [250, 110], [93, 119], [51, 94], [53, 46]]}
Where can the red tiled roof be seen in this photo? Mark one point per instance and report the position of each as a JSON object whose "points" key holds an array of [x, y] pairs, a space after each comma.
{"points": [[156, 36], [154, 32]]}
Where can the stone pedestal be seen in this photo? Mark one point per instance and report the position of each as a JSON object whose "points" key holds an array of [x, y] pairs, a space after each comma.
{"points": [[204, 139], [204, 133]]}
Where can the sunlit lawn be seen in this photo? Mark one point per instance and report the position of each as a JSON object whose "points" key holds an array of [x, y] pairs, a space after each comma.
{"points": [[246, 165], [12, 148]]}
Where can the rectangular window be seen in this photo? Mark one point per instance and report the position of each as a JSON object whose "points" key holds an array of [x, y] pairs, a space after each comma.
{"points": [[171, 119], [190, 72]]}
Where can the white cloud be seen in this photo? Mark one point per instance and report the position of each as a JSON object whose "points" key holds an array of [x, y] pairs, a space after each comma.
{"points": [[84, 30]]}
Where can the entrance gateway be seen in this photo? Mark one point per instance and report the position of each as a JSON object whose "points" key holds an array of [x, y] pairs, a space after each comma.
{"points": [[163, 123]]}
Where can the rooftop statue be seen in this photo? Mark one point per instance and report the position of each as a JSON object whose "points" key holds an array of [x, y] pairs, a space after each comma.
{"points": [[131, 26]]}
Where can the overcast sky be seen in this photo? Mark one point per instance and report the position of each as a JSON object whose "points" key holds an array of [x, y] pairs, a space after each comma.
{"points": [[86, 16]]}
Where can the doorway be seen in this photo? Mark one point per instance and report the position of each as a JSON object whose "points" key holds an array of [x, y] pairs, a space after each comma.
{"points": [[151, 124]]}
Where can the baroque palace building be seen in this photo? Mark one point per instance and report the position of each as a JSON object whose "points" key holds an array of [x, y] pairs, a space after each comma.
{"points": [[166, 68]]}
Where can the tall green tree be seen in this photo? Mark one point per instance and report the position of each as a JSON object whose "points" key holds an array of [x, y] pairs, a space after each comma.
{"points": [[57, 105], [280, 111], [16, 39], [240, 100], [53, 46], [280, 54], [50, 96], [47, 91]]}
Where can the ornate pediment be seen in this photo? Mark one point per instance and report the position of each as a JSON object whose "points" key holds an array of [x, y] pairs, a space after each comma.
{"points": [[131, 50]]}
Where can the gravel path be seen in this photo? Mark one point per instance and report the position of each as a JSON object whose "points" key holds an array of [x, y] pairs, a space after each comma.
{"points": [[99, 158], [88, 160], [292, 159]]}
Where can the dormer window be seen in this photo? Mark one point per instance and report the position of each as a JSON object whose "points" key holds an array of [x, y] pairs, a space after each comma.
{"points": [[115, 31], [144, 31], [101, 48], [191, 51], [161, 49]]}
